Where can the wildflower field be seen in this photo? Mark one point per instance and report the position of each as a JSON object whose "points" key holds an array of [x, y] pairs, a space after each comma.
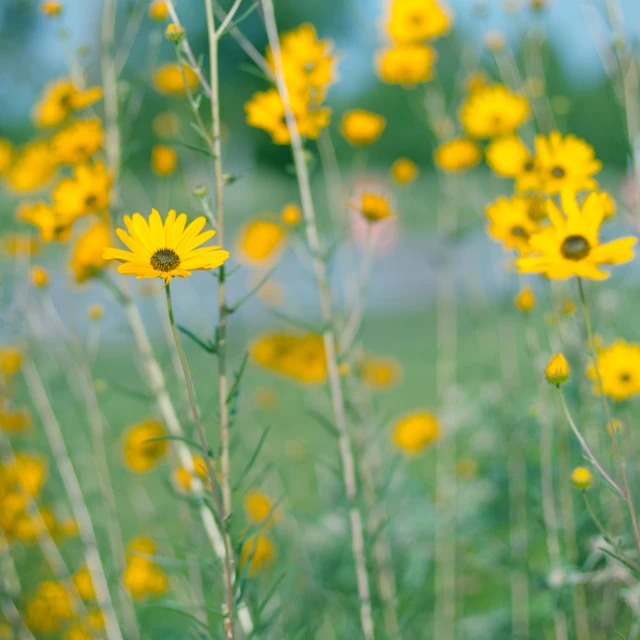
{"points": [[319, 320]]}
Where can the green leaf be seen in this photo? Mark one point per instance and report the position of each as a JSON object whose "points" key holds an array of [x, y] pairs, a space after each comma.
{"points": [[235, 387], [195, 148], [191, 443], [300, 324], [253, 457], [233, 308], [208, 346]]}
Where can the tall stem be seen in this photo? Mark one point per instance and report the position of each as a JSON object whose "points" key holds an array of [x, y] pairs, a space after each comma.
{"points": [[605, 407], [228, 576], [335, 385]]}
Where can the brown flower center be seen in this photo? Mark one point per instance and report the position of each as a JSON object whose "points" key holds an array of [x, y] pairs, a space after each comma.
{"points": [[528, 166], [558, 172], [519, 232], [624, 377], [575, 247], [91, 200], [165, 260]]}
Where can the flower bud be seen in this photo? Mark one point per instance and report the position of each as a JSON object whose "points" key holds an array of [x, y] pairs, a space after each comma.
{"points": [[174, 32], [581, 478], [557, 371], [525, 300]]}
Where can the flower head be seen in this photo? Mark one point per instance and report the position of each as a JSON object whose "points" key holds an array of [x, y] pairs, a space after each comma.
{"points": [[414, 432], [78, 141], [510, 223], [261, 242], [170, 78], [141, 450], [290, 215], [158, 10], [619, 369], [13, 419], [164, 159], [457, 155], [39, 276], [51, 9], [406, 64], [165, 251], [525, 300], [87, 255], [51, 223], [373, 206], [412, 21], [380, 373], [581, 478], [509, 157], [174, 32], [361, 128], [11, 359], [404, 171], [571, 245], [87, 192], [557, 370], [183, 477], [258, 505], [33, 167], [259, 552], [61, 98]]}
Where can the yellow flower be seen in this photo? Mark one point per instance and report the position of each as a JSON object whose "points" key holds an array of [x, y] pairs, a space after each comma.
{"points": [[11, 359], [68, 527], [509, 157], [19, 244], [290, 215], [301, 358], [615, 426], [169, 79], [51, 9], [571, 245], [373, 206], [39, 276], [566, 163], [59, 99], [360, 127], [581, 478], [87, 192], [158, 10], [406, 64], [78, 141], [51, 223], [493, 111], [174, 32], [183, 477], [510, 223], [415, 431], [6, 155], [259, 552], [414, 21], [164, 159], [143, 578], [557, 370], [260, 242], [141, 452], [457, 155], [33, 167], [165, 251], [166, 125], [95, 311], [619, 368], [142, 545], [475, 80], [257, 506], [525, 300], [87, 255], [404, 171], [380, 373], [83, 583], [13, 420], [266, 111]]}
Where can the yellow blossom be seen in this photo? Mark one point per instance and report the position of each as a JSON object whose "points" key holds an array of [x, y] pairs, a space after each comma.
{"points": [[87, 255], [83, 583], [380, 373], [581, 478], [33, 167], [87, 192], [11, 359], [164, 159], [258, 506], [260, 242], [141, 452], [13, 420], [415, 431], [52, 224], [361, 128], [158, 10], [557, 371], [404, 171], [95, 311], [373, 206], [183, 478], [39, 276], [619, 369], [412, 21], [169, 79], [457, 155], [290, 215], [78, 141], [59, 99], [259, 551], [406, 64], [174, 32], [51, 9], [525, 300]]}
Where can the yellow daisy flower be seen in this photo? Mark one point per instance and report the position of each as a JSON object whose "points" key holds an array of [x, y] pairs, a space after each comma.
{"points": [[169, 79], [87, 255], [141, 452], [619, 367], [509, 157], [406, 64], [257, 506], [493, 111], [404, 170], [261, 242], [373, 206], [566, 163], [414, 21], [510, 222], [39, 276], [34, 166], [525, 300], [78, 141], [165, 251], [13, 420], [557, 370], [361, 128], [52, 225], [457, 155], [59, 99], [183, 478], [414, 432], [164, 159], [87, 192], [380, 373], [158, 10], [259, 551], [290, 215], [571, 246], [11, 359]]}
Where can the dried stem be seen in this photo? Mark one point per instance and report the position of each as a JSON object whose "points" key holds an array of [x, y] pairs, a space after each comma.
{"points": [[345, 444]]}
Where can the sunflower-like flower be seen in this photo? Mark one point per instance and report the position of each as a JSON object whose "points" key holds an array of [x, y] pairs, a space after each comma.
{"points": [[61, 98], [566, 163], [78, 141], [165, 251], [510, 222], [87, 192], [404, 170], [493, 111], [169, 79], [261, 242], [457, 155], [407, 65], [360, 127], [32, 168], [414, 432], [509, 157], [143, 446], [53, 226], [413, 21], [619, 368], [87, 256], [571, 245]]}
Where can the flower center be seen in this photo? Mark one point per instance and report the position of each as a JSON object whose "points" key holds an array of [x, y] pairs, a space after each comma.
{"points": [[625, 377], [165, 260], [519, 232], [558, 172], [575, 248], [528, 166], [90, 200], [416, 19]]}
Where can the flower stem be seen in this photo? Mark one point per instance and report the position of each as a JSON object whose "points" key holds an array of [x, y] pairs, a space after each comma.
{"points": [[228, 572], [605, 407]]}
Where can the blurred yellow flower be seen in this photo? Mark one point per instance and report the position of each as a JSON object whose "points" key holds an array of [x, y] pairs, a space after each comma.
{"points": [[143, 578], [164, 159], [457, 155], [183, 478], [83, 584], [59, 99], [51, 9], [509, 157], [50, 608], [11, 359], [571, 245], [78, 141], [95, 311], [373, 206], [525, 300], [257, 506], [493, 111], [380, 373], [290, 215], [557, 370], [404, 171], [619, 368], [87, 254], [87, 192], [6, 155], [142, 453], [19, 244], [581, 478], [49, 221], [169, 79], [142, 545], [361, 128], [510, 222], [174, 32], [415, 431], [260, 242], [39, 276], [259, 552], [166, 124], [406, 64], [566, 163], [412, 21], [13, 420], [166, 250], [615, 426], [33, 167], [158, 10]]}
